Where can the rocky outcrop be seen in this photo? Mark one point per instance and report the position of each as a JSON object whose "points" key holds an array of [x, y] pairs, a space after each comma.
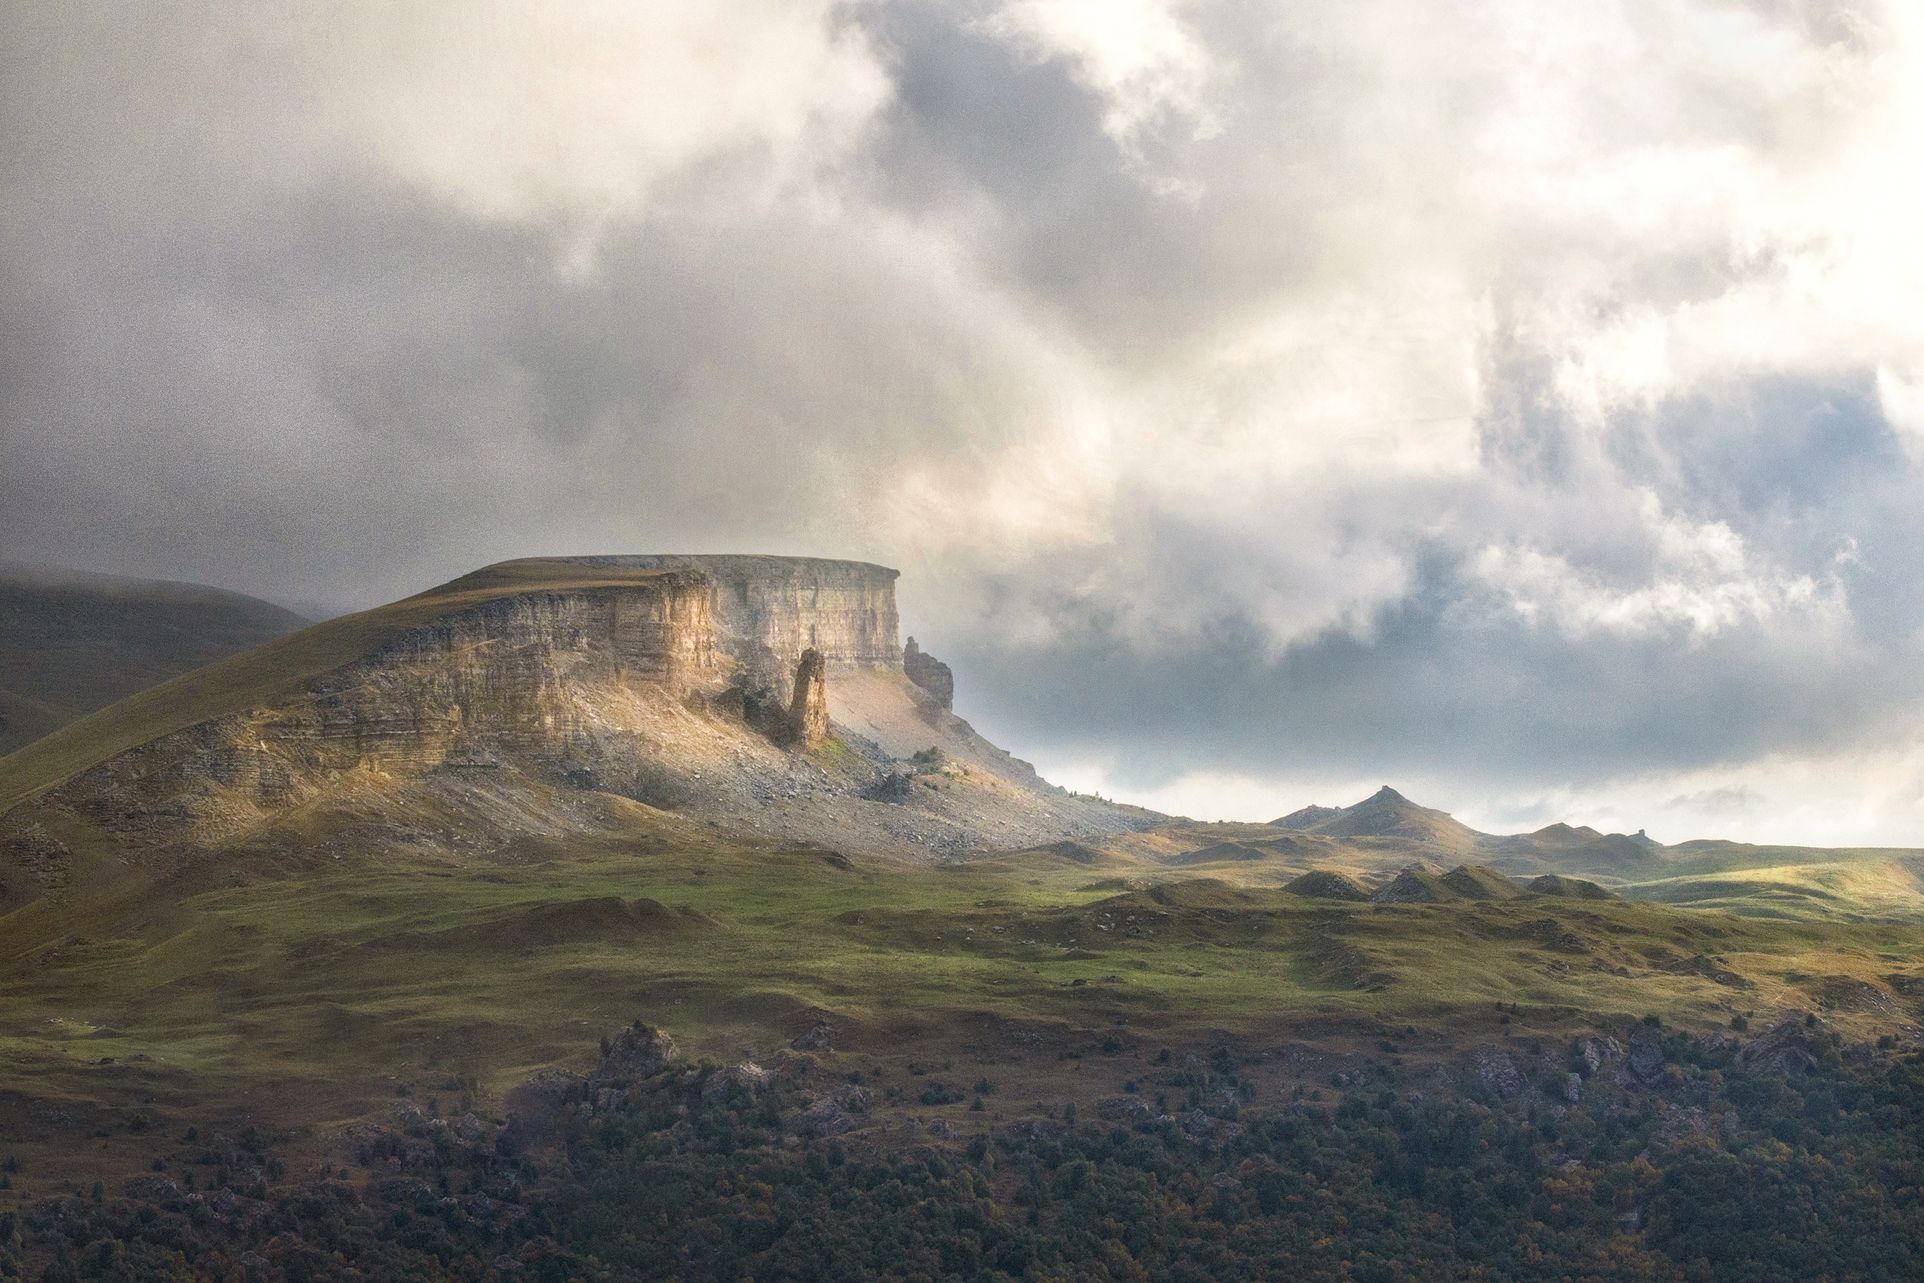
{"points": [[930, 673], [808, 708], [1496, 1072], [636, 1052], [1792, 1047]]}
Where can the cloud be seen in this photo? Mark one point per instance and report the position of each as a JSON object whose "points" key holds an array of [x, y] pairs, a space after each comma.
{"points": [[1520, 403], [582, 112], [1138, 57], [1700, 580]]}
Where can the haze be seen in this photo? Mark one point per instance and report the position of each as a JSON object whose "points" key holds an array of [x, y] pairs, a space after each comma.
{"points": [[1262, 401]]}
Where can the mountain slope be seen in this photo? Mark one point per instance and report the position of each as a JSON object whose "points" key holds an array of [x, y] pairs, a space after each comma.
{"points": [[512, 699], [1388, 814], [72, 642]]}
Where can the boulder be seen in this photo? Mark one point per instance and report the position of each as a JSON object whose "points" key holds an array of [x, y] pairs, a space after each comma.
{"points": [[1496, 1072], [636, 1052], [1646, 1055], [1595, 1053]]}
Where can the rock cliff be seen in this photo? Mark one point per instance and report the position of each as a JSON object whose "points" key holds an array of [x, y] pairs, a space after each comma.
{"points": [[930, 673]]}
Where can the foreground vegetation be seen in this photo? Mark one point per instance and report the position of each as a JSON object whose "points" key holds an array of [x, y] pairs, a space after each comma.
{"points": [[690, 1173]]}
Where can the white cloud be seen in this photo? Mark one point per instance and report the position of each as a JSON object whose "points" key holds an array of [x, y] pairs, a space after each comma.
{"points": [[1699, 581], [579, 111]]}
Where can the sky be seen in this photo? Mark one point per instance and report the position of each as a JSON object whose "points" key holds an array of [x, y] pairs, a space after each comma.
{"points": [[1519, 403]]}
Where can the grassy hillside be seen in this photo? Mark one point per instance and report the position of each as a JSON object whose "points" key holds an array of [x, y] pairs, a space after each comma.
{"points": [[309, 998], [72, 642], [1864, 887]]}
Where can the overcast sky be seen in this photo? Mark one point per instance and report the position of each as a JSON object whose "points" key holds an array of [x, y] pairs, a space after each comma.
{"points": [[1522, 403]]}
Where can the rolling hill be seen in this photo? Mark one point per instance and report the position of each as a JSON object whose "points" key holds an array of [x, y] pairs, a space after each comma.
{"points": [[72, 642]]}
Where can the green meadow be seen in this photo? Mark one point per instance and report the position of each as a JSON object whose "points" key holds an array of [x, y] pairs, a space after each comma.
{"points": [[306, 1000]]}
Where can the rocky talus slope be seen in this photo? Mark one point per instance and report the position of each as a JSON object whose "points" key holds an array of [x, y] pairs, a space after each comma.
{"points": [[536, 696]]}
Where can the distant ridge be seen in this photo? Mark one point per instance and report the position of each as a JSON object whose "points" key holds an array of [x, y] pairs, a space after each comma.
{"points": [[74, 641], [1388, 816], [1385, 814]]}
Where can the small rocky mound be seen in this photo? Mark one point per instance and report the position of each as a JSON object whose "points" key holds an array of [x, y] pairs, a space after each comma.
{"points": [[747, 1078], [1321, 884], [1414, 885], [1847, 993], [1219, 853], [1286, 844], [1073, 852], [819, 1036], [1475, 882], [833, 1113], [1570, 888]]}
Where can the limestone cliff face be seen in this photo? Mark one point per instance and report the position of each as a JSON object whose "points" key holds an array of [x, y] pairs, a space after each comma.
{"points": [[539, 674], [507, 673], [768, 610]]}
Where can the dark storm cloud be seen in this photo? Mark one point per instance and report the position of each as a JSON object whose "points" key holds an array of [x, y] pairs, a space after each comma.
{"points": [[1342, 389]]}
